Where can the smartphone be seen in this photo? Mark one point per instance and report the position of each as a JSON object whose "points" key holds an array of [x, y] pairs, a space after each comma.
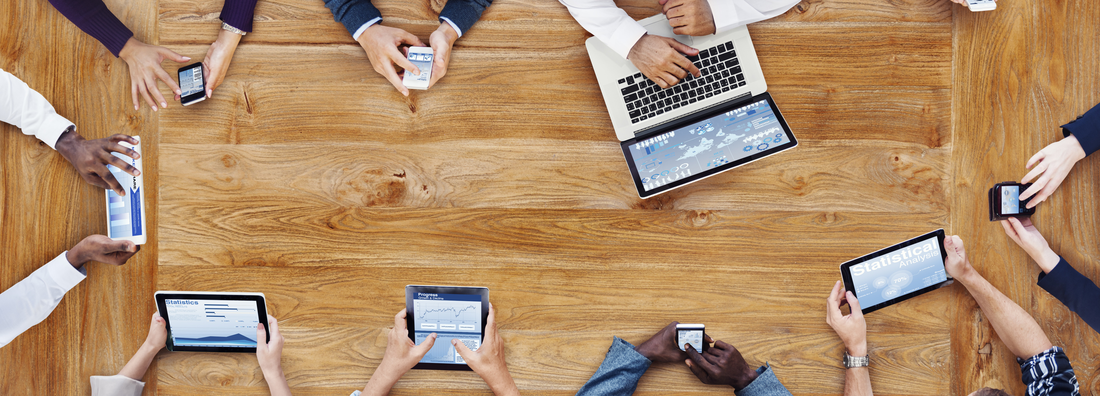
{"points": [[192, 86], [691, 334], [126, 214], [981, 5], [422, 58], [1004, 201]]}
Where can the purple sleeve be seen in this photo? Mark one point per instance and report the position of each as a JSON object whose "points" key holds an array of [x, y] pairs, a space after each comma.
{"points": [[93, 17], [238, 13]]}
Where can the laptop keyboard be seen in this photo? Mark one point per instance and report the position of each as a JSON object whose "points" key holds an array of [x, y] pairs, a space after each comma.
{"points": [[720, 72]]}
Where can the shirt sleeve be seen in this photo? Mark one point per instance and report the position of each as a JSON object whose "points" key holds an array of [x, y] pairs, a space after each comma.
{"points": [[729, 14], [1086, 129], [765, 384], [1075, 291], [353, 14], [619, 373], [116, 385], [1048, 374], [31, 300], [93, 17], [29, 111], [238, 13], [462, 14], [609, 23]]}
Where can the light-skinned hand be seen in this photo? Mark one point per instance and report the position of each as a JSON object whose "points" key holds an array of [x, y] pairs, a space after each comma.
{"points": [[689, 17], [488, 360], [851, 328], [722, 364], [145, 69], [963, 2], [269, 353], [1024, 233], [957, 264], [661, 347], [102, 249], [216, 64], [158, 333], [91, 157], [662, 60], [401, 355], [1054, 163], [441, 40], [383, 47]]}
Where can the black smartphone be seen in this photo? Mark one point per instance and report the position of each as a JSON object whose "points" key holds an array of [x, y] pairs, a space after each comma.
{"points": [[693, 334], [192, 85], [1004, 201]]}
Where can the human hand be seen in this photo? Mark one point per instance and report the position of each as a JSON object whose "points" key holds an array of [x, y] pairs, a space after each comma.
{"points": [[91, 157], [661, 347], [158, 334], [102, 249], [957, 265], [721, 364], [690, 17], [488, 360], [1024, 233], [269, 353], [963, 2], [401, 355], [144, 63], [852, 328], [381, 44], [1055, 161], [216, 64], [441, 40], [660, 59]]}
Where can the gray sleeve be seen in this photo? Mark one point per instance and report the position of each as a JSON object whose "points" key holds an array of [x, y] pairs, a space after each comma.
{"points": [[765, 384]]}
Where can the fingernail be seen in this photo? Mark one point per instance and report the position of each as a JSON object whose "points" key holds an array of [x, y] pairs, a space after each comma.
{"points": [[186, 58], [154, 108], [162, 104], [135, 107], [454, 342]]}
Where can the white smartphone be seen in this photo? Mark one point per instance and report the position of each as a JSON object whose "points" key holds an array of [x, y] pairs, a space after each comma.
{"points": [[422, 58], [691, 334], [126, 214], [981, 5]]}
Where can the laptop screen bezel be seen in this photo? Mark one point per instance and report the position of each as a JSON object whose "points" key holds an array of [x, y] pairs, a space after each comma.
{"points": [[695, 118]]}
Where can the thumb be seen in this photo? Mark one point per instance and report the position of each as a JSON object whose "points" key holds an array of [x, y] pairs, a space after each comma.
{"points": [[462, 350], [261, 337], [167, 53], [681, 47], [424, 347], [853, 303], [410, 39], [122, 246]]}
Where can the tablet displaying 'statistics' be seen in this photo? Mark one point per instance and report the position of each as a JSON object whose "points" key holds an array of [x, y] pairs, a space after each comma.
{"points": [[451, 313], [898, 272], [212, 322]]}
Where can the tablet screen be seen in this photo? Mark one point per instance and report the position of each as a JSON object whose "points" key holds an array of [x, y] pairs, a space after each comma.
{"points": [[898, 271], [719, 140], [213, 323], [450, 316]]}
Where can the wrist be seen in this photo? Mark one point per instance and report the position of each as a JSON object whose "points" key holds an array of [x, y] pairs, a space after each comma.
{"points": [[67, 142], [448, 32], [75, 257], [272, 374], [128, 49], [1077, 151], [746, 378], [229, 38], [1047, 260], [857, 350], [150, 349]]}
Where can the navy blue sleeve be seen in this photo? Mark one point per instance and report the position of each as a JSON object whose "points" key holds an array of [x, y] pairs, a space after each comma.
{"points": [[464, 13], [352, 13], [1077, 292], [1086, 129]]}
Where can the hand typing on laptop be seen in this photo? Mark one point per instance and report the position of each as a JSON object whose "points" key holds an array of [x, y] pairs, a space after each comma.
{"points": [[662, 59], [689, 17]]}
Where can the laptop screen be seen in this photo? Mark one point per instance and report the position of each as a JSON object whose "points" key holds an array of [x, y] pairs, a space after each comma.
{"points": [[724, 140]]}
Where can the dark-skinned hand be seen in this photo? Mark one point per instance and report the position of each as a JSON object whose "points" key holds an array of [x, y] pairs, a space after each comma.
{"points": [[722, 364], [102, 249], [662, 346], [91, 157]]}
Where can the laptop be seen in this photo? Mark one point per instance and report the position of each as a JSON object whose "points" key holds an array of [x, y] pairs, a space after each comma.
{"points": [[700, 127]]}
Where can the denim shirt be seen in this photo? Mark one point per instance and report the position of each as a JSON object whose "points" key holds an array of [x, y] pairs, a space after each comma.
{"points": [[623, 367]]}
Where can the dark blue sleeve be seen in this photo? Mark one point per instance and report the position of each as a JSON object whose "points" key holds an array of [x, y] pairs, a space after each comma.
{"points": [[352, 13], [464, 13], [619, 373], [1077, 292], [1086, 129]]}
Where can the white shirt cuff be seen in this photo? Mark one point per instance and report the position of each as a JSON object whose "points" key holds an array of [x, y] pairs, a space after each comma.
{"points": [[361, 29], [448, 20], [62, 272], [116, 385], [724, 13], [51, 128], [625, 36]]}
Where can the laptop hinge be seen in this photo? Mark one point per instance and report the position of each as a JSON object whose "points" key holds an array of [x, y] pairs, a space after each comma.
{"points": [[745, 97]]}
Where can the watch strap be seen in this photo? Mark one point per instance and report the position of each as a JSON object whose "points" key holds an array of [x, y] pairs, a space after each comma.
{"points": [[230, 28], [856, 361]]}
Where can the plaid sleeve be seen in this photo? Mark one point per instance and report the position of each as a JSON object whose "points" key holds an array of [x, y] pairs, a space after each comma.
{"points": [[1049, 373]]}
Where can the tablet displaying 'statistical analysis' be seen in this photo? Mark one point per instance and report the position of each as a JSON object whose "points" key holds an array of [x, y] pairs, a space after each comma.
{"points": [[212, 322], [451, 315], [898, 272], [734, 136]]}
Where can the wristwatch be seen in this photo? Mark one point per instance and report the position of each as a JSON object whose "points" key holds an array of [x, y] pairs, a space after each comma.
{"points": [[230, 28], [855, 361]]}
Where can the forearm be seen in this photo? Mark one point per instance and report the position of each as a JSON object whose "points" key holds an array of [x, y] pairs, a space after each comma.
{"points": [[139, 363], [276, 382], [1086, 129], [1075, 291], [857, 382], [619, 373], [380, 382], [607, 22], [464, 13], [31, 301], [30, 111], [93, 17], [238, 13], [352, 13], [1018, 330]]}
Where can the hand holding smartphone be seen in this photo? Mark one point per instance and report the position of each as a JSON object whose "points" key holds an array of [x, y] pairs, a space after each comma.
{"points": [[1004, 201], [691, 334], [422, 58], [192, 85]]}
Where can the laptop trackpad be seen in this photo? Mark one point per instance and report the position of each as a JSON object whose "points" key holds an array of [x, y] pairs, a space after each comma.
{"points": [[662, 28]]}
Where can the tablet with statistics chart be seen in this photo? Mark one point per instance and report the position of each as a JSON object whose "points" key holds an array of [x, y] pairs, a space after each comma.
{"points": [[703, 145], [126, 213], [897, 273], [212, 321], [452, 313]]}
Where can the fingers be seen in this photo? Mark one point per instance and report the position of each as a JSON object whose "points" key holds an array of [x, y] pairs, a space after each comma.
{"points": [[118, 137], [491, 324], [134, 93], [404, 62], [681, 47], [118, 148], [169, 54], [696, 369], [408, 38], [853, 304], [274, 323], [462, 350], [143, 89], [722, 345], [832, 309], [1041, 169], [110, 180], [163, 76], [391, 74], [1035, 158], [668, 79], [261, 337], [399, 322], [420, 350], [670, 4], [698, 361], [686, 64], [1010, 229], [1025, 222]]}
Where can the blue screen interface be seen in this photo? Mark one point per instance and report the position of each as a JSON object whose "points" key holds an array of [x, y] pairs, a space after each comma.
{"points": [[714, 142], [213, 323], [450, 316], [897, 273]]}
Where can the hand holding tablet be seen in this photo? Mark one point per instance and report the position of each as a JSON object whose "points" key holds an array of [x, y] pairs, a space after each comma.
{"points": [[897, 273], [213, 321]]}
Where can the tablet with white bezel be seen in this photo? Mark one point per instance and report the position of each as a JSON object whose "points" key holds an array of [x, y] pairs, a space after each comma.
{"points": [[898, 273], [451, 312], [212, 321]]}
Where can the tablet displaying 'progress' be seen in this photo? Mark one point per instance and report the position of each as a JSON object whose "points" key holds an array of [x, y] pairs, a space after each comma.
{"points": [[897, 273], [452, 313]]}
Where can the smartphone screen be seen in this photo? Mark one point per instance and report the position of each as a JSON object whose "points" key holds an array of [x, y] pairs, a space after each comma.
{"points": [[1010, 200], [192, 86], [420, 57], [690, 336]]}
